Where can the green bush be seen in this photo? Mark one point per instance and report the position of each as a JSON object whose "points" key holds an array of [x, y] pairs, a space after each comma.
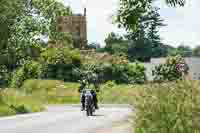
{"points": [[168, 108], [136, 73], [30, 70], [61, 64], [20, 109], [121, 72], [129, 73], [61, 56], [168, 70]]}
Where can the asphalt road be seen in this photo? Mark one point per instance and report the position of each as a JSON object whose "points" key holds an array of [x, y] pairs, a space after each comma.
{"points": [[69, 119]]}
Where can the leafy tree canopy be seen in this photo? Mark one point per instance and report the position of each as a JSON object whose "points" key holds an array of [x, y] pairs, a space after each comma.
{"points": [[184, 51], [35, 20], [130, 11], [116, 44]]}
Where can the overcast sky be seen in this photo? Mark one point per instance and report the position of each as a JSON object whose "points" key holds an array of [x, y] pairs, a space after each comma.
{"points": [[183, 23]]}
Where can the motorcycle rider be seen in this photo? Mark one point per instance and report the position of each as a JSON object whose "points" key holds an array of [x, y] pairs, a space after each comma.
{"points": [[82, 90], [82, 96], [95, 99]]}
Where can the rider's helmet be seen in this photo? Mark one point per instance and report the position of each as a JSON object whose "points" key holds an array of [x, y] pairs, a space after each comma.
{"points": [[92, 91], [83, 91]]}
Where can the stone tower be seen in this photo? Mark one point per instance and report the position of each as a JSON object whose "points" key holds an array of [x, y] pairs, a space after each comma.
{"points": [[77, 26]]}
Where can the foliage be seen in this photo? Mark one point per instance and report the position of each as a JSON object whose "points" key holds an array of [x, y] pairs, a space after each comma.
{"points": [[29, 70], [167, 108], [61, 64], [36, 22], [184, 51], [51, 10], [146, 42], [17, 102], [168, 70], [116, 44], [140, 50], [130, 12], [161, 108], [141, 19], [94, 45], [9, 12], [118, 70], [129, 73], [196, 51], [61, 56], [136, 73], [4, 76]]}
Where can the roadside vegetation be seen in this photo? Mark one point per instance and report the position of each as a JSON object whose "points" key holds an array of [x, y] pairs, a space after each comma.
{"points": [[160, 107], [14, 102], [35, 73], [171, 107]]}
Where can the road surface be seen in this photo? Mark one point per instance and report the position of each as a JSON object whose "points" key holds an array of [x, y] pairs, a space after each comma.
{"points": [[69, 119]]}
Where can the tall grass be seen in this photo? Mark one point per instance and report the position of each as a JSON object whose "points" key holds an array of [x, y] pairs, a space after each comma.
{"points": [[16, 102], [55, 91], [168, 108], [112, 93], [160, 108]]}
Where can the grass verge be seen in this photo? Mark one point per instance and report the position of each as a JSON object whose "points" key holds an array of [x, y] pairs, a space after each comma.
{"points": [[16, 102], [160, 108]]}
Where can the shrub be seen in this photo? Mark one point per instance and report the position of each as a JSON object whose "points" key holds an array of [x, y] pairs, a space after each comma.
{"points": [[121, 73], [61, 64], [29, 70], [129, 73], [20, 109], [168, 108], [168, 70], [136, 73], [61, 56]]}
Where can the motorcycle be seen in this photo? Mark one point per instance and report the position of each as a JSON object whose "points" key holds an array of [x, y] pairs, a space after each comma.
{"points": [[89, 104]]}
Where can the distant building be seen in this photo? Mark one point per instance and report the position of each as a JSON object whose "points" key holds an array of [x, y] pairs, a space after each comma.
{"points": [[193, 63], [77, 26]]}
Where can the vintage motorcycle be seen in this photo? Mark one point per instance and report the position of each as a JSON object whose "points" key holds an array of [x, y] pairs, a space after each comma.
{"points": [[89, 86], [89, 103]]}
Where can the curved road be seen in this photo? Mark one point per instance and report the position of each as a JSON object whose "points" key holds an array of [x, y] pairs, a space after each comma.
{"points": [[69, 119]]}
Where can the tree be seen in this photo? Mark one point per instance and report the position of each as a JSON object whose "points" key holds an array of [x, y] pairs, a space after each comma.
{"points": [[9, 11], [94, 45], [140, 50], [158, 49], [196, 51], [51, 10], [145, 41], [130, 11], [37, 20], [116, 44], [184, 51]]}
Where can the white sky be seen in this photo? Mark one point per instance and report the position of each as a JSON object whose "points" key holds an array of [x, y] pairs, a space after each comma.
{"points": [[183, 24]]}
